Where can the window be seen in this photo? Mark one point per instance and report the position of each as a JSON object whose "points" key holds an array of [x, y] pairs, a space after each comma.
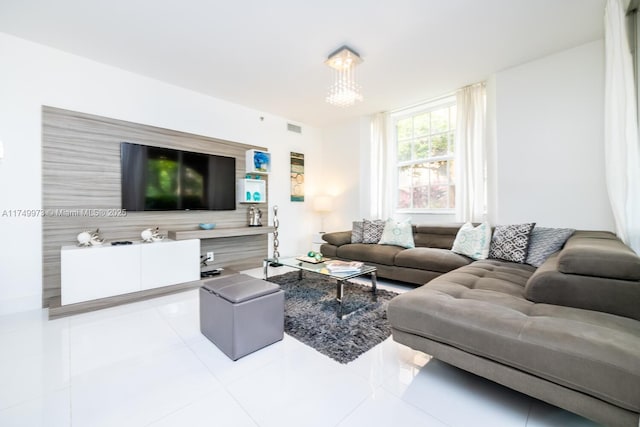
{"points": [[424, 147]]}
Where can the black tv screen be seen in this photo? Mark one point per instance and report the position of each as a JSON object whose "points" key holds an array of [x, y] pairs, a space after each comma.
{"points": [[163, 179]]}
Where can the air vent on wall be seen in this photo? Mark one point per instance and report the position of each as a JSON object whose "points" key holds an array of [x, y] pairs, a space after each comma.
{"points": [[294, 128]]}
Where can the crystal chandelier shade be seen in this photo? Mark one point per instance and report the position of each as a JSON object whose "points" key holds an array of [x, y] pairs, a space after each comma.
{"points": [[345, 90]]}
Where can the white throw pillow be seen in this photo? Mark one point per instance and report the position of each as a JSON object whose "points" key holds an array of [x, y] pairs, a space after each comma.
{"points": [[398, 233], [473, 242]]}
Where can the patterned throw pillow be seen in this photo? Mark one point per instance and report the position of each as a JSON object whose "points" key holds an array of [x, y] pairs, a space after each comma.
{"points": [[511, 242], [372, 230], [398, 233], [473, 242], [546, 241], [356, 232]]}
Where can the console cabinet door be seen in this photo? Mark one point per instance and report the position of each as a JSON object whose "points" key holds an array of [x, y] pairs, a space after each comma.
{"points": [[98, 272], [169, 262]]}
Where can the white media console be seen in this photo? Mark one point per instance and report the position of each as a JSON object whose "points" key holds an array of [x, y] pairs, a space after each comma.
{"points": [[89, 273]]}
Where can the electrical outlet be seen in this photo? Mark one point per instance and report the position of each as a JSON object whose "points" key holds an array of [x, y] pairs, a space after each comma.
{"points": [[209, 256]]}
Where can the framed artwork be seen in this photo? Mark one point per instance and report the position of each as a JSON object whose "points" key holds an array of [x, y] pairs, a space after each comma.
{"points": [[297, 177]]}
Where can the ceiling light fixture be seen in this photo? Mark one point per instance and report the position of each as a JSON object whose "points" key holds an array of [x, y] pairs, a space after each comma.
{"points": [[345, 90]]}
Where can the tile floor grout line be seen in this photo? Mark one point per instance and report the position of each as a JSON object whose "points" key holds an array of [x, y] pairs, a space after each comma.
{"points": [[358, 405], [414, 406], [225, 386]]}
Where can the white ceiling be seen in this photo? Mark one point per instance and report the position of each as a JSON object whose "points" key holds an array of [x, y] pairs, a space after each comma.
{"points": [[269, 54]]}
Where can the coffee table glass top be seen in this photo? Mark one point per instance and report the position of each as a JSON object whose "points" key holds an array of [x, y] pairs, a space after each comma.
{"points": [[321, 268]]}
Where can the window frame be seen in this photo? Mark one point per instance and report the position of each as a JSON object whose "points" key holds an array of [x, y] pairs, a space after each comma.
{"points": [[396, 116]]}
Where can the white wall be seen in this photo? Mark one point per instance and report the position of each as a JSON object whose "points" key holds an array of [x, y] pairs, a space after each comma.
{"points": [[33, 75], [549, 141], [545, 156], [344, 161]]}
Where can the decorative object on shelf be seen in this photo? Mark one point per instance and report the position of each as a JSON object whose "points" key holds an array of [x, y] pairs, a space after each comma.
{"points": [[96, 238], [276, 242], [258, 161], [90, 238], [255, 216], [207, 226], [323, 205], [345, 90], [315, 255], [150, 235], [312, 257], [297, 177], [84, 239]]}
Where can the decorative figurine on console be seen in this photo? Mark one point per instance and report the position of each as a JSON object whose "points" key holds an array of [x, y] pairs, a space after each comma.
{"points": [[150, 235], [89, 238]]}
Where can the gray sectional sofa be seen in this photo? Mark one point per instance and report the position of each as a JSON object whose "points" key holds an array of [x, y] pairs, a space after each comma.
{"points": [[567, 332]]}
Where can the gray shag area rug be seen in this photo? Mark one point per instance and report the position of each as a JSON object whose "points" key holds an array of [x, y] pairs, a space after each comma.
{"points": [[311, 315]]}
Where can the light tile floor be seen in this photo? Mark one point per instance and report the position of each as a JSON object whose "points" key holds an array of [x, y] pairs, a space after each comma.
{"points": [[146, 364]]}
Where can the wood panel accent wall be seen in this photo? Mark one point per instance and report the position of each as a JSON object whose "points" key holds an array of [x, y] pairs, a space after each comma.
{"points": [[81, 171]]}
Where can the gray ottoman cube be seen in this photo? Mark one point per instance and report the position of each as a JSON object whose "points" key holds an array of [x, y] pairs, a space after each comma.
{"points": [[241, 314]]}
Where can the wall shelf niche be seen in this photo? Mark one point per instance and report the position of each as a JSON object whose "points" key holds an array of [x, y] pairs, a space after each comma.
{"points": [[252, 191], [258, 161]]}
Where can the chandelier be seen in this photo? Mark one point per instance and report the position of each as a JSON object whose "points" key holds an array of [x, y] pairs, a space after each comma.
{"points": [[345, 90]]}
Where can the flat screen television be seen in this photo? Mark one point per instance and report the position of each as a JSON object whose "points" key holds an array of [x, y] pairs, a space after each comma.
{"points": [[163, 179]]}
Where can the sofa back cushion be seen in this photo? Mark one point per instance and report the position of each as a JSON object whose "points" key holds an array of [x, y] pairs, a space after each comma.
{"points": [[600, 254], [605, 288], [337, 238], [435, 236]]}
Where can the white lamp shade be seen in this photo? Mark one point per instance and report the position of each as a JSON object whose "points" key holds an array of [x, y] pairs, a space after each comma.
{"points": [[323, 204]]}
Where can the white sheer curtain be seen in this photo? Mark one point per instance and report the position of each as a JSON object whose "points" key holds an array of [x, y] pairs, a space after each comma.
{"points": [[381, 191], [471, 153], [622, 152]]}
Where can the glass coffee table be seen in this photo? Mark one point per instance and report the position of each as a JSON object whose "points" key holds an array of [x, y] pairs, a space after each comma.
{"points": [[321, 268]]}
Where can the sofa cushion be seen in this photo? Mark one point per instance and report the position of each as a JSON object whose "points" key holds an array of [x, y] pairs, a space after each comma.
{"points": [[337, 238], [599, 254], [546, 241], [480, 309], [432, 259], [372, 230], [473, 241], [548, 285], [398, 233], [511, 242], [378, 254], [435, 236]]}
